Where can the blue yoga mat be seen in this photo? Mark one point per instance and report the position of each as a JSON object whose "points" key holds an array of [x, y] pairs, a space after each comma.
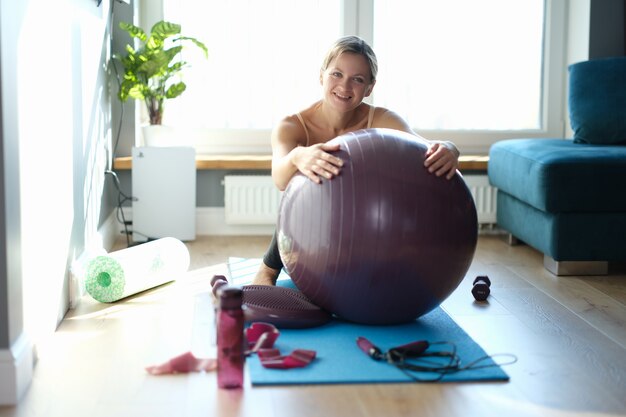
{"points": [[340, 361]]}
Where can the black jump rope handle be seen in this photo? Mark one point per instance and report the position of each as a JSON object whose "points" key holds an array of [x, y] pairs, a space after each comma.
{"points": [[480, 289]]}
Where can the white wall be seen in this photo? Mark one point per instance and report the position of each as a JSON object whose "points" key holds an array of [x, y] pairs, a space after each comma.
{"points": [[577, 43], [64, 131], [56, 121], [13, 361]]}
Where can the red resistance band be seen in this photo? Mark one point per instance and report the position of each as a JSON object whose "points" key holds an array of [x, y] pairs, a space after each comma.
{"points": [[261, 338]]}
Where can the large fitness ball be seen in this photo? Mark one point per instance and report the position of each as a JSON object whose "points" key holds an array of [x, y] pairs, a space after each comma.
{"points": [[385, 241]]}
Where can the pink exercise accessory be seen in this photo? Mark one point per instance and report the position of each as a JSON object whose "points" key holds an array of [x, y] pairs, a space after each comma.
{"points": [[280, 306]]}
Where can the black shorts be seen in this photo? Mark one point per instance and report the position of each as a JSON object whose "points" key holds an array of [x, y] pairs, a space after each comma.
{"points": [[272, 256]]}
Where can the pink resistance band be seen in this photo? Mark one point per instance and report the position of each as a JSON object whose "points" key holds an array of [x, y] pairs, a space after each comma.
{"points": [[260, 337]]}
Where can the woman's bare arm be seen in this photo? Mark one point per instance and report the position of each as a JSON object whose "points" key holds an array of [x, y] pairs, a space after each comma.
{"points": [[290, 155]]}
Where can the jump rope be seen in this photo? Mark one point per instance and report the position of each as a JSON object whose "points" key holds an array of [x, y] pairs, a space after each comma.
{"points": [[415, 357]]}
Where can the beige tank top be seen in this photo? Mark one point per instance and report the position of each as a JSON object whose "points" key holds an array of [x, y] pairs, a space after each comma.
{"points": [[370, 118]]}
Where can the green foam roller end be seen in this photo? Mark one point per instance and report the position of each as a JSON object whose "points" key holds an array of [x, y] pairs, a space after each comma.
{"points": [[105, 279]]}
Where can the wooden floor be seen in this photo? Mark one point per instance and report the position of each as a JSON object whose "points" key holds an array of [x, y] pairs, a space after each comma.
{"points": [[568, 333]]}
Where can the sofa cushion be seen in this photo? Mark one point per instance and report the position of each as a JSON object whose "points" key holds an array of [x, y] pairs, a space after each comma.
{"points": [[565, 236], [597, 101], [558, 175]]}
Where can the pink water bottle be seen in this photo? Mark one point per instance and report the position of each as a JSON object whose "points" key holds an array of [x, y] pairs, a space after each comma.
{"points": [[230, 340]]}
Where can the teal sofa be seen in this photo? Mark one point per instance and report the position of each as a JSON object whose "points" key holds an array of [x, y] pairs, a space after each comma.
{"points": [[567, 197]]}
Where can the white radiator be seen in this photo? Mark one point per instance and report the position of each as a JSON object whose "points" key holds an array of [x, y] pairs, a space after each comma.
{"points": [[485, 198], [250, 199], [254, 199]]}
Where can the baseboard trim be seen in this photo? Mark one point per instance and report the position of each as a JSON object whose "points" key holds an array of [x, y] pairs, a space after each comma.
{"points": [[16, 371], [110, 231], [210, 221]]}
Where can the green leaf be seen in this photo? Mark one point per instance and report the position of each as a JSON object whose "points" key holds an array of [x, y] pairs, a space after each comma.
{"points": [[137, 92], [130, 50], [125, 88], [177, 67], [134, 31], [198, 44], [175, 90], [156, 65], [154, 43], [173, 51], [163, 30]]}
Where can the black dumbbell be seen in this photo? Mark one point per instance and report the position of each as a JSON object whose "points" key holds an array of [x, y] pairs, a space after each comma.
{"points": [[480, 289]]}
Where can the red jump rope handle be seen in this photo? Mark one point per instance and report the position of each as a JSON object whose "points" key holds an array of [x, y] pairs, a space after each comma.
{"points": [[217, 282], [369, 349], [411, 350]]}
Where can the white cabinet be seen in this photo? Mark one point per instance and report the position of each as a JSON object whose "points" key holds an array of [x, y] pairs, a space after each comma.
{"points": [[164, 191]]}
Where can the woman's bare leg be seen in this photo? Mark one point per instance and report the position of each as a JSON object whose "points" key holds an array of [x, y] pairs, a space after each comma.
{"points": [[265, 275]]}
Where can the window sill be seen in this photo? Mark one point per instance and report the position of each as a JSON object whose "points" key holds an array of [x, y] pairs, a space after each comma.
{"points": [[264, 162]]}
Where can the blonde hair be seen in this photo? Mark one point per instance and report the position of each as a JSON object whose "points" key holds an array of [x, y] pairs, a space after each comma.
{"points": [[355, 45]]}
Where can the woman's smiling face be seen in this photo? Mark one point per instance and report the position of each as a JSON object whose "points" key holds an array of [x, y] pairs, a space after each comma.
{"points": [[347, 81]]}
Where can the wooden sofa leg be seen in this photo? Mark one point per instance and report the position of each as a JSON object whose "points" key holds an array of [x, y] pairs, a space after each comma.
{"points": [[512, 240], [561, 268]]}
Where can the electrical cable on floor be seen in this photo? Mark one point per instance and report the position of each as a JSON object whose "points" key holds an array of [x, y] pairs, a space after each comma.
{"points": [[119, 85], [121, 199], [121, 196]]}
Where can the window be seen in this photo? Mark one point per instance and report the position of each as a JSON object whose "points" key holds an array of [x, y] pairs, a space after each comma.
{"points": [[470, 71], [264, 59], [450, 65]]}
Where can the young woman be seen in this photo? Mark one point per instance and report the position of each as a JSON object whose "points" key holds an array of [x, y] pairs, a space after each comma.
{"points": [[347, 76]]}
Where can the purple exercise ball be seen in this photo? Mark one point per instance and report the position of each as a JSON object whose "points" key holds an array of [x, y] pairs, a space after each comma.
{"points": [[385, 241]]}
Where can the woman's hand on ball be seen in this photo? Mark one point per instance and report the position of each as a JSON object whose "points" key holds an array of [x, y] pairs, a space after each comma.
{"points": [[441, 160], [316, 162]]}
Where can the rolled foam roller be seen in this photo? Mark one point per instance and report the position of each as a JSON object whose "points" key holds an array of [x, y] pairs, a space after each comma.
{"points": [[129, 271]]}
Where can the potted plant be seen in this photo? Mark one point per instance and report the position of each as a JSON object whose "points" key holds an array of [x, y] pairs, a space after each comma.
{"points": [[149, 70]]}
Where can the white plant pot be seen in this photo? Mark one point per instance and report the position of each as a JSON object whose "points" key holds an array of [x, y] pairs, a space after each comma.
{"points": [[159, 135]]}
